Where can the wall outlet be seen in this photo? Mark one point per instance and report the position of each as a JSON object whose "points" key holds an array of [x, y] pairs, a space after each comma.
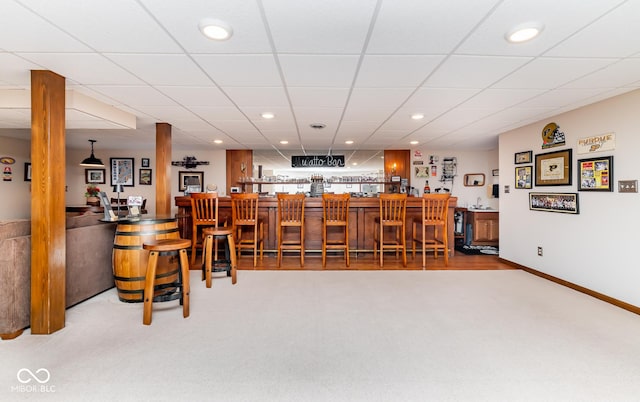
{"points": [[540, 251]]}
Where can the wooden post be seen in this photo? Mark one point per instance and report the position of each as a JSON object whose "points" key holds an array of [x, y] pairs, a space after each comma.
{"points": [[48, 244], [163, 169]]}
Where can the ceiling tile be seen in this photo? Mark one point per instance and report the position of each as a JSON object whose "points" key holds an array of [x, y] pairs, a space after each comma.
{"points": [[425, 27], [620, 42], [254, 70], [549, 73], [396, 71], [181, 22], [318, 71], [23, 31], [87, 68], [162, 69], [473, 71], [107, 26], [347, 22]]}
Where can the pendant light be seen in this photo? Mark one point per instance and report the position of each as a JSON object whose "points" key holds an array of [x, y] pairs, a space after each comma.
{"points": [[92, 160]]}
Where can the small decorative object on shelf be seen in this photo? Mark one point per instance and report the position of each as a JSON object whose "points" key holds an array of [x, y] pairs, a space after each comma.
{"points": [[92, 195]]}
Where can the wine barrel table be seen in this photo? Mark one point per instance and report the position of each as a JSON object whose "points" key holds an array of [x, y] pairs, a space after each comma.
{"points": [[130, 259]]}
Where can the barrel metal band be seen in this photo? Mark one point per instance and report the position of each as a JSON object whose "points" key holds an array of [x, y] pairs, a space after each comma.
{"points": [[147, 233]]}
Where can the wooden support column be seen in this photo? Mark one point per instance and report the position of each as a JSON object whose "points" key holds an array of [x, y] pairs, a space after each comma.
{"points": [[48, 244], [163, 169]]}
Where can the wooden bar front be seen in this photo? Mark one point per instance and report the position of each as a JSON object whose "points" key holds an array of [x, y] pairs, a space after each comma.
{"points": [[361, 221]]}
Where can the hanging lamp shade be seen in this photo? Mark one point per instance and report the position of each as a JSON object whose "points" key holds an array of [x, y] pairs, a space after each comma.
{"points": [[92, 160]]}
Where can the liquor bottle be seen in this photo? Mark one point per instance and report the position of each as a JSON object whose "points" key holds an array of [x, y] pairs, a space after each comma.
{"points": [[427, 189]]}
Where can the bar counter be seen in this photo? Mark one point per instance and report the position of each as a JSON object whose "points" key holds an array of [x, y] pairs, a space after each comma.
{"points": [[361, 220]]}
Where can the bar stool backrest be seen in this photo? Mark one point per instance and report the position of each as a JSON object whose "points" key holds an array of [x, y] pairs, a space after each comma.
{"points": [[244, 209], [204, 209], [435, 208], [335, 208], [393, 208], [291, 209]]}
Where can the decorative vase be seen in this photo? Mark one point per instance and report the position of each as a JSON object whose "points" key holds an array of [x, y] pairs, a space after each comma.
{"points": [[94, 201]]}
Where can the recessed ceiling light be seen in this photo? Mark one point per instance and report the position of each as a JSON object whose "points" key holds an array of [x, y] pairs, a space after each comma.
{"points": [[355, 163], [524, 32], [215, 29], [284, 142], [417, 116], [413, 142], [349, 142], [268, 115], [217, 141]]}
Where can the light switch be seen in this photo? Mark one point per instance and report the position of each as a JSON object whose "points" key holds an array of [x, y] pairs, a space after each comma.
{"points": [[627, 186]]}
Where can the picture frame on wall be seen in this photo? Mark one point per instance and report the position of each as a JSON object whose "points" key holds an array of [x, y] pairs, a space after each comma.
{"points": [[189, 179], [122, 171], [523, 157], [144, 178], [554, 168], [146, 163], [523, 176], [27, 171], [94, 176], [595, 174], [554, 202]]}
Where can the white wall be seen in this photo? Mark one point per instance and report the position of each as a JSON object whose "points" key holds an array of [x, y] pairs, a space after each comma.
{"points": [[467, 162], [596, 248], [16, 194], [215, 172]]}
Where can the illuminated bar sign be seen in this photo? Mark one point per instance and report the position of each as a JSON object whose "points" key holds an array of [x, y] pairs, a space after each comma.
{"points": [[317, 161]]}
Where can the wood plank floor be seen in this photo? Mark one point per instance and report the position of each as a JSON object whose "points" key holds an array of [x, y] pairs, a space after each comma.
{"points": [[365, 261]]}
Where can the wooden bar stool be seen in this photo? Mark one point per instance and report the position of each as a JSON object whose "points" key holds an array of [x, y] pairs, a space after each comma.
{"points": [[204, 213], [290, 215], [435, 213], [393, 208], [335, 214], [244, 213], [210, 261], [169, 291]]}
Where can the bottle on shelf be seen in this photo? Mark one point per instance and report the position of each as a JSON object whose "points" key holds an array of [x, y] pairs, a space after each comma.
{"points": [[427, 189]]}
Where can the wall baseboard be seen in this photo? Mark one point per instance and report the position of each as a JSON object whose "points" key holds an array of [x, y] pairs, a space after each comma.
{"points": [[581, 289]]}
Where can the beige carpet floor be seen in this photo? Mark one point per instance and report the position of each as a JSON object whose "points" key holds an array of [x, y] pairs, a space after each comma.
{"points": [[338, 336]]}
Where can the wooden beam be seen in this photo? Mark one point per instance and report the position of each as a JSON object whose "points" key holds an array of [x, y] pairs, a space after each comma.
{"points": [[163, 169], [48, 244]]}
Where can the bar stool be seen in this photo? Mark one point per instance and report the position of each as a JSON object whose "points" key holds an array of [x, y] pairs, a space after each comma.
{"points": [[169, 291], [435, 212], [393, 208], [204, 213], [210, 261], [244, 215], [335, 213], [290, 215]]}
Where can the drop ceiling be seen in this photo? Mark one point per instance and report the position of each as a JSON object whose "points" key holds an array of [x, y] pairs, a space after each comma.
{"points": [[360, 67]]}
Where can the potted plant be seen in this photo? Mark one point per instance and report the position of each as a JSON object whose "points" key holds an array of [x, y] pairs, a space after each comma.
{"points": [[92, 195]]}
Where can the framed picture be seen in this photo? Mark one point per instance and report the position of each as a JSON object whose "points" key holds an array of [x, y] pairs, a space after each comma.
{"points": [[145, 177], [554, 202], [553, 168], [495, 172], [422, 171], [523, 157], [189, 178], [27, 171], [595, 174], [523, 176], [94, 176], [145, 162], [122, 172]]}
